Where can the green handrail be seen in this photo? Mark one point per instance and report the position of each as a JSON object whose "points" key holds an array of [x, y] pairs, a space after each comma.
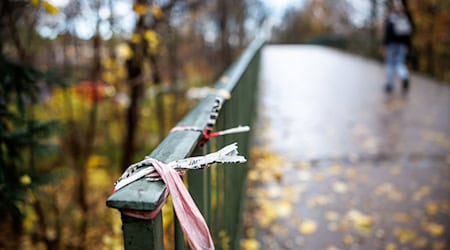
{"points": [[217, 191]]}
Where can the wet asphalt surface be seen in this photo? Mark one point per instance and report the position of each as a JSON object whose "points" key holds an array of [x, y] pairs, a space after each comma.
{"points": [[339, 164]]}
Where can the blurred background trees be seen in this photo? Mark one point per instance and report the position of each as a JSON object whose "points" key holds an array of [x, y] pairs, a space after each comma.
{"points": [[357, 26], [88, 87]]}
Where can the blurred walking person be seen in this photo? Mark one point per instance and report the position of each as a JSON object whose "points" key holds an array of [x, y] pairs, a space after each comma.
{"points": [[396, 41]]}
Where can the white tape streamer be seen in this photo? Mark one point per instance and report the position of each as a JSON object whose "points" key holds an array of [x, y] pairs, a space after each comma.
{"points": [[227, 154]]}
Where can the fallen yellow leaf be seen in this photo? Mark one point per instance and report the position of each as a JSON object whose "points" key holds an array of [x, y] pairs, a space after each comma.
{"points": [[421, 193], [420, 242], [305, 165], [404, 235], [331, 248], [432, 208], [284, 209], [390, 191], [395, 170], [308, 227], [319, 200], [391, 246], [157, 12], [332, 227], [352, 173], [348, 239], [340, 187], [434, 229], [249, 244], [335, 169], [304, 175], [331, 216], [402, 217], [440, 245], [360, 221]]}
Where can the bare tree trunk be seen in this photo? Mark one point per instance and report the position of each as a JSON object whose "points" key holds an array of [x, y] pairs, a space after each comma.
{"points": [[225, 50], [373, 27], [51, 241], [173, 71], [89, 141], [135, 86], [156, 78], [430, 57]]}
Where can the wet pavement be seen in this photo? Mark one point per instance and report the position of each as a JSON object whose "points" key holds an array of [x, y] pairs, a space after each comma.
{"points": [[339, 164]]}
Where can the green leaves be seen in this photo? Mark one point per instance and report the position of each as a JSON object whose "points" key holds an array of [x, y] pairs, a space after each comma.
{"points": [[23, 139]]}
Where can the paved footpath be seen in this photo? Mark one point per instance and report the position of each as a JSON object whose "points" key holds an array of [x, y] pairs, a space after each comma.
{"points": [[341, 165]]}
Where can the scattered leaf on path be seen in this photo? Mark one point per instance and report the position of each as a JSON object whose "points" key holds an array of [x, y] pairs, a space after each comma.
{"points": [[340, 187], [360, 221], [348, 239], [434, 229], [249, 244], [391, 246], [331, 216], [404, 235], [421, 193], [402, 217], [308, 227], [432, 208]]}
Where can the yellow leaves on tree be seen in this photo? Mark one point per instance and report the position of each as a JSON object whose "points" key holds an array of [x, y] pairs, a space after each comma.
{"points": [[152, 39], [25, 180], [97, 174], [136, 38], [51, 9], [140, 9], [48, 7], [123, 51], [114, 71], [35, 2], [157, 12]]}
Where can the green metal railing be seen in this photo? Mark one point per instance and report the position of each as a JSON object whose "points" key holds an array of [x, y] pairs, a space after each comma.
{"points": [[218, 190]]}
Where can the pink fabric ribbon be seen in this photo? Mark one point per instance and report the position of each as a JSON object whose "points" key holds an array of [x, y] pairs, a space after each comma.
{"points": [[191, 220]]}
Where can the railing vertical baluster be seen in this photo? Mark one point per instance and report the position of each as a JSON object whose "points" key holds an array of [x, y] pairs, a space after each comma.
{"points": [[207, 188], [179, 238]]}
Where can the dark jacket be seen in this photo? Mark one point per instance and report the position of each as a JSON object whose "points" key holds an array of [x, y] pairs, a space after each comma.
{"points": [[391, 37]]}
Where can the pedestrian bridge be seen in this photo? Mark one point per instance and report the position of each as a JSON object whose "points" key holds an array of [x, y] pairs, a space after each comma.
{"points": [[335, 163]]}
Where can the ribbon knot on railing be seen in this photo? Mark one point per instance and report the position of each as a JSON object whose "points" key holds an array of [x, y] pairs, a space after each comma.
{"points": [[191, 220], [208, 133]]}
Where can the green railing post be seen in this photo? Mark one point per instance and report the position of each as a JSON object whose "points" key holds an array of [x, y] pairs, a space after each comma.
{"points": [[142, 234]]}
